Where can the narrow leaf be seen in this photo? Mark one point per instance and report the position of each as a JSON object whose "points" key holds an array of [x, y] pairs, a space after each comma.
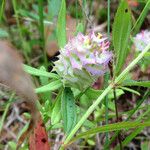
{"points": [[136, 83], [56, 112], [141, 18], [112, 127], [121, 33], [94, 94], [68, 109], [49, 87], [61, 25], [38, 72]]}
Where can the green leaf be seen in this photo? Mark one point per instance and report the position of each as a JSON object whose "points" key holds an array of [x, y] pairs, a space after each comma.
{"points": [[141, 18], [56, 112], [121, 33], [53, 11], [136, 83], [130, 137], [12, 145], [38, 72], [49, 87], [112, 127], [94, 94], [79, 28], [44, 80], [68, 109], [61, 25], [25, 13], [131, 90]]}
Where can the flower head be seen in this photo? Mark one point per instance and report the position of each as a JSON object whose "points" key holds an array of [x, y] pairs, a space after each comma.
{"points": [[83, 60], [141, 40]]}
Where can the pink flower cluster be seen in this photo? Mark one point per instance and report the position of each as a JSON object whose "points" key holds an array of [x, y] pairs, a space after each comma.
{"points": [[84, 58]]}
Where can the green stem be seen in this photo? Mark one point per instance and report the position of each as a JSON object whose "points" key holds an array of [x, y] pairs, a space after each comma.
{"points": [[117, 118], [107, 77], [20, 31], [102, 96], [108, 19], [2, 10]]}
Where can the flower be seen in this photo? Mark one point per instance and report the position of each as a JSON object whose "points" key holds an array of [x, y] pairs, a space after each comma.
{"points": [[83, 60], [141, 40]]}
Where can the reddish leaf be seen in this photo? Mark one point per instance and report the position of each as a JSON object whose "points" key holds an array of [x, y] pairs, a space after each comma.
{"points": [[39, 139], [133, 3]]}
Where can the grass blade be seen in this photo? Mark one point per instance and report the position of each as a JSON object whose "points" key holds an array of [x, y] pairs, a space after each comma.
{"points": [[141, 18]]}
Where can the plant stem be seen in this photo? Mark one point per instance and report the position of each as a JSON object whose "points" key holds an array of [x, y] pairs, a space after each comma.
{"points": [[106, 91], [117, 117], [107, 76], [108, 19], [2, 9]]}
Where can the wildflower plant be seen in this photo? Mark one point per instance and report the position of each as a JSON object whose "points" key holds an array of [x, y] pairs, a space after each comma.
{"points": [[83, 60]]}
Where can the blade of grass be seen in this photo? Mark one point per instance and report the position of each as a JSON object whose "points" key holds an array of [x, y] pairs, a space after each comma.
{"points": [[5, 112], [107, 76], [24, 44], [41, 28], [61, 25], [2, 9], [141, 18]]}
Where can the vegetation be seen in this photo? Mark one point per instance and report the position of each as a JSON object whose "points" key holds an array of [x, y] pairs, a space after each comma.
{"points": [[90, 63]]}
